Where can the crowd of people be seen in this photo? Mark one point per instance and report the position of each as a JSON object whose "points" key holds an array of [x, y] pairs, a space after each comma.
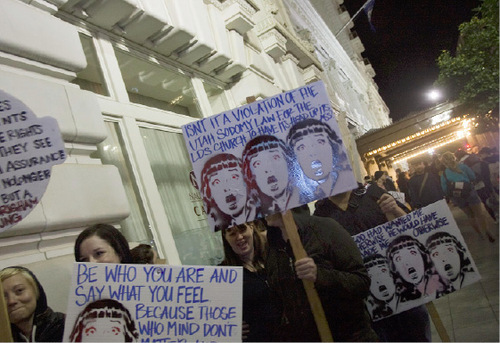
{"points": [[275, 303]]}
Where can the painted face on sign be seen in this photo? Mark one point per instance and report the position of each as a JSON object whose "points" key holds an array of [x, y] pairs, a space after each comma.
{"points": [[229, 191], [409, 264], [446, 259], [271, 172], [104, 330], [315, 155], [382, 285]]}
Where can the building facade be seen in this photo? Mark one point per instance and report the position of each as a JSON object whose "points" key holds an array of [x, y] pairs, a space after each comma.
{"points": [[122, 76]]}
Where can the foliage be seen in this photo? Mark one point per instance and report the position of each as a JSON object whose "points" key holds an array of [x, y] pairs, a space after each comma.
{"points": [[471, 76]]}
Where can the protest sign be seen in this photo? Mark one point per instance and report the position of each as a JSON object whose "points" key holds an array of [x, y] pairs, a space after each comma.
{"points": [[415, 259], [154, 303], [268, 156], [29, 147]]}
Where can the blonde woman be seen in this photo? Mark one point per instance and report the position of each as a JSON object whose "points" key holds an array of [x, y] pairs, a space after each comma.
{"points": [[471, 205], [31, 319]]}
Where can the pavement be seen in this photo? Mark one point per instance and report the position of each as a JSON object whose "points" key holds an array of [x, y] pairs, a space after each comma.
{"points": [[471, 314]]}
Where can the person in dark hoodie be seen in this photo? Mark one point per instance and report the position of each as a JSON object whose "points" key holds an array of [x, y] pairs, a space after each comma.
{"points": [[31, 319], [334, 265]]}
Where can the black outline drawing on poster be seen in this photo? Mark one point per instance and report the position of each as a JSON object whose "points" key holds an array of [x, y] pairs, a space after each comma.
{"points": [[239, 145], [415, 259], [29, 147]]}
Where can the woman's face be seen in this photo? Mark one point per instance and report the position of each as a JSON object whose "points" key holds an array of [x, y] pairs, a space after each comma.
{"points": [[20, 298], [446, 259], [409, 264], [97, 250], [104, 330], [240, 238], [315, 155]]}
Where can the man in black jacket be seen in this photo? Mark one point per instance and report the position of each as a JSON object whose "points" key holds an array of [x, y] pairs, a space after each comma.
{"points": [[424, 187]]}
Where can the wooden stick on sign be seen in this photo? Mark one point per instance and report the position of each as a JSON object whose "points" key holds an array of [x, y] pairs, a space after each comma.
{"points": [[299, 252], [312, 295], [5, 333]]}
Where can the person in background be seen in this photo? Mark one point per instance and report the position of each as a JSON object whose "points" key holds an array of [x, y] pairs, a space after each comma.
{"points": [[102, 243], [367, 180], [402, 181], [482, 184], [144, 254], [334, 265], [424, 187], [471, 205], [362, 212], [31, 319], [245, 245]]}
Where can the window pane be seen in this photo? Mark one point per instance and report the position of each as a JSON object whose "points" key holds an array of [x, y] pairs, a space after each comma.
{"points": [[90, 78], [136, 227], [217, 98], [195, 241], [150, 84]]}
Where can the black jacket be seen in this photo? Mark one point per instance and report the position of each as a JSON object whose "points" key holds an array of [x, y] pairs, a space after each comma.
{"points": [[342, 282]]}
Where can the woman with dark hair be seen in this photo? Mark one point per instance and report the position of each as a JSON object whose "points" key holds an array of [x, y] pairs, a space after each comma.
{"points": [[102, 243], [245, 245], [104, 320], [413, 271], [267, 165], [31, 319], [144, 254], [450, 258]]}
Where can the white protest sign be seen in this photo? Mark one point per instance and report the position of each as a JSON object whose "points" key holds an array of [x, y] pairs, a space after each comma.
{"points": [[29, 147], [154, 303], [415, 259], [268, 156]]}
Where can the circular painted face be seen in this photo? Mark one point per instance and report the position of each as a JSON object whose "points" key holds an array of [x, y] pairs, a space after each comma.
{"points": [[240, 238], [20, 298], [315, 155], [446, 259], [409, 264], [382, 285], [97, 250], [104, 330], [271, 172], [229, 190]]}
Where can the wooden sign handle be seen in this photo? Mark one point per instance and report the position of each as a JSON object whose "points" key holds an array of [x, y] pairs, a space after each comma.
{"points": [[436, 319], [312, 295], [5, 333]]}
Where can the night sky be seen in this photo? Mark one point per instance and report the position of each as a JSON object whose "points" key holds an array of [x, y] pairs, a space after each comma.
{"points": [[409, 36]]}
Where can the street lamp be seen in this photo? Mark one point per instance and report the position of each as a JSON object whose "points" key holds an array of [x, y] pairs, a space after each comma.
{"points": [[434, 95]]}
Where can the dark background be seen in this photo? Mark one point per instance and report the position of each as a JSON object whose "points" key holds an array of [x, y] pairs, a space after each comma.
{"points": [[408, 38]]}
